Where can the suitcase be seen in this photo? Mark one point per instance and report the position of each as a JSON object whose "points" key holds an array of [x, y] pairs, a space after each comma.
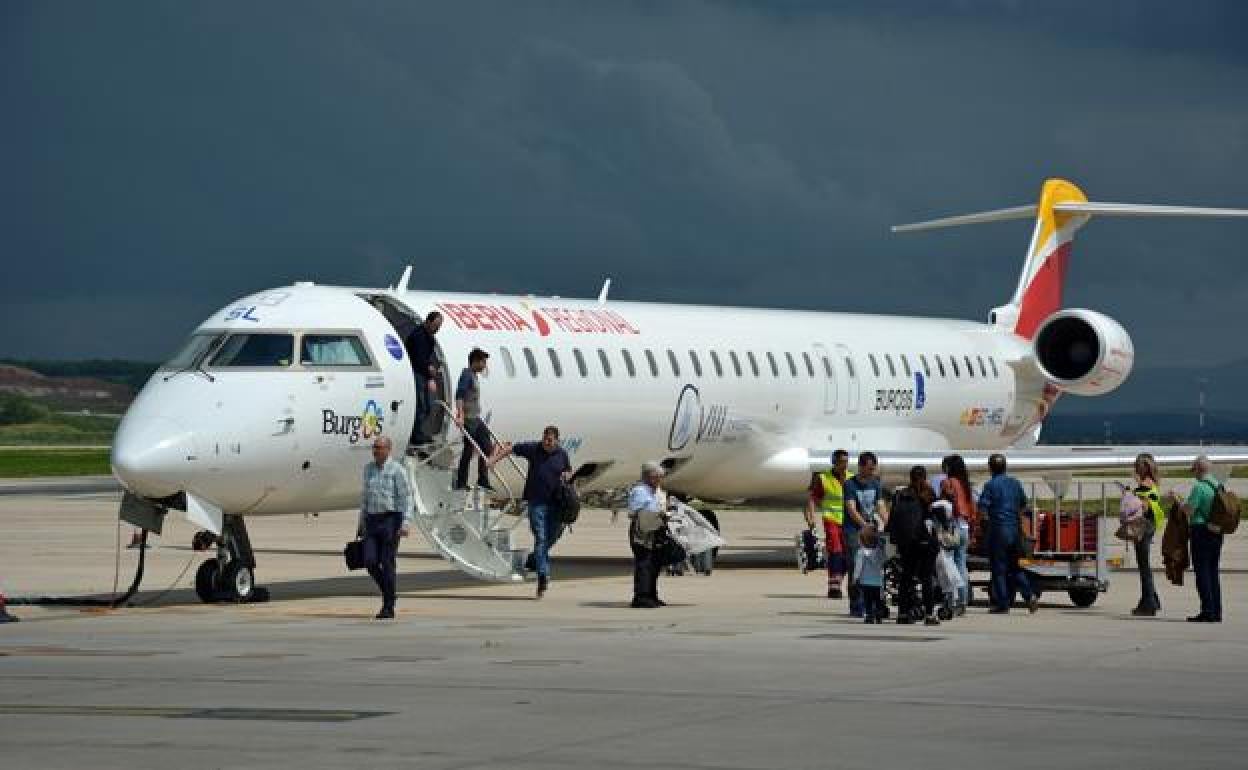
{"points": [[810, 552]]}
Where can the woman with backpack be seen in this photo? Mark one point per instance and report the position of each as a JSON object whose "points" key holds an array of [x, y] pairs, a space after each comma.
{"points": [[910, 529], [1148, 490], [956, 488]]}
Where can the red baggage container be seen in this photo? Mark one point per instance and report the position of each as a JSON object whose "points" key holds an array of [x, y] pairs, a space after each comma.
{"points": [[1065, 539]]}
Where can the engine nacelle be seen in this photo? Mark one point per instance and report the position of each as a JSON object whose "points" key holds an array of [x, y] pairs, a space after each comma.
{"points": [[1083, 352]]}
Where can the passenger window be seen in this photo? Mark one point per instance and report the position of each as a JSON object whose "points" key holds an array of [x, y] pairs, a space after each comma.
{"points": [[827, 367], [983, 372], [905, 366], [875, 367], [628, 363], [940, 364], [333, 350], [849, 367], [606, 362], [580, 362], [736, 362], [995, 373], [531, 360], [771, 360], [256, 350], [810, 367], [508, 364], [970, 368], [892, 370], [927, 370], [753, 362], [654, 365], [555, 366], [719, 369], [697, 365], [671, 359], [792, 365], [954, 362]]}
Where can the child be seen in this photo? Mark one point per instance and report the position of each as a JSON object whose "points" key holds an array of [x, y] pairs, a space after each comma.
{"points": [[868, 574]]}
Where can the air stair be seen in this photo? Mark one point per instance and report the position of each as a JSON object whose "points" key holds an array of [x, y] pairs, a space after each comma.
{"points": [[461, 524]]}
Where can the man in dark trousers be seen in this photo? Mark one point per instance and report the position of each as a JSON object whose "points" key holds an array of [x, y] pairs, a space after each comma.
{"points": [[468, 415], [548, 468], [1004, 502], [422, 352], [647, 509], [385, 516]]}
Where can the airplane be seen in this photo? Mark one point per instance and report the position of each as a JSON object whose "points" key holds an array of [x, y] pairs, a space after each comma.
{"points": [[273, 402]]}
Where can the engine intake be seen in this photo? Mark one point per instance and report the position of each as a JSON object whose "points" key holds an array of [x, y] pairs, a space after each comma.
{"points": [[1083, 352]]}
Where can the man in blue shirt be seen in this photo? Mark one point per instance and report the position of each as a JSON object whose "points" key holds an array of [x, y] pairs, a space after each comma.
{"points": [[1004, 502], [385, 516], [548, 468], [864, 499]]}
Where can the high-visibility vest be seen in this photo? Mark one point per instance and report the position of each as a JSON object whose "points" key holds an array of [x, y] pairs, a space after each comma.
{"points": [[833, 498]]}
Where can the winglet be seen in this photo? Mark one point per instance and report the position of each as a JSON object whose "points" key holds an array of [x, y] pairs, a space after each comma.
{"points": [[602, 295]]}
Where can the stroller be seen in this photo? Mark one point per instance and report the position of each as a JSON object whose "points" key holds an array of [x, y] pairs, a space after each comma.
{"points": [[903, 593]]}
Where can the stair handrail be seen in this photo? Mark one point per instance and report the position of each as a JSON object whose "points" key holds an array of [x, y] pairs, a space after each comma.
{"points": [[512, 501], [511, 458]]}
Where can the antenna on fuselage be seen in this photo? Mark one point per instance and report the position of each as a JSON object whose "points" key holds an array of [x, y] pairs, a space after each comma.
{"points": [[602, 295], [401, 286]]}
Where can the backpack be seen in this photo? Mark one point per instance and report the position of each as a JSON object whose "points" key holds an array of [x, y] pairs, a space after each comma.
{"points": [[906, 519], [1224, 515], [567, 502]]}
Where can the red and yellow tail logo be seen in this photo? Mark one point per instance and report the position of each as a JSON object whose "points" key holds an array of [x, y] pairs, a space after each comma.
{"points": [[1044, 276]]}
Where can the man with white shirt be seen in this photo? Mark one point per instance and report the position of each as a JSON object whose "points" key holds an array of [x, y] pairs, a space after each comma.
{"points": [[647, 507]]}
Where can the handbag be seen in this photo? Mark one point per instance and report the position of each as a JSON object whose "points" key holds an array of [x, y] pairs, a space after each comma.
{"points": [[360, 554]]}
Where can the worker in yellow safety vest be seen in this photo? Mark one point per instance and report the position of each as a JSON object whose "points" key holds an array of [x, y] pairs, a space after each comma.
{"points": [[827, 497]]}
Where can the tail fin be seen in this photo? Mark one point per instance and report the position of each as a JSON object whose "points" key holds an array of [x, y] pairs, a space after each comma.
{"points": [[1039, 292], [1062, 209]]}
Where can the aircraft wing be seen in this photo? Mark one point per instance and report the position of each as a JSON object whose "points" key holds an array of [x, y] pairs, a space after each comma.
{"points": [[1055, 460]]}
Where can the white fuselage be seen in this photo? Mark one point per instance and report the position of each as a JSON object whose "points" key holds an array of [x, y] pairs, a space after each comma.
{"points": [[750, 394]]}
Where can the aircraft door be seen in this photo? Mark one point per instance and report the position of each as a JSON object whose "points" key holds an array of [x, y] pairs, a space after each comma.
{"points": [[825, 366], [852, 384]]}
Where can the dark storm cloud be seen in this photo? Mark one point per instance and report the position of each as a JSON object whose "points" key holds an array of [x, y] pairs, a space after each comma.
{"points": [[159, 160]]}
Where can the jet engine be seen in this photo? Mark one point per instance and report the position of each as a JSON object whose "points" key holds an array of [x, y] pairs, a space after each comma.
{"points": [[1083, 352]]}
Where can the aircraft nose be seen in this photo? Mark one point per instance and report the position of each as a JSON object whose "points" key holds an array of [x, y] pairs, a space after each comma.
{"points": [[151, 455]]}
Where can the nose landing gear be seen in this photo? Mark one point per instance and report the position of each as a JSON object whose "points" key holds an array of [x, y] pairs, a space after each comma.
{"points": [[230, 577]]}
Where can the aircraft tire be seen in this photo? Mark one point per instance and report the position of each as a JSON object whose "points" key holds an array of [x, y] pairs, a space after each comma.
{"points": [[238, 583], [1082, 597], [206, 582]]}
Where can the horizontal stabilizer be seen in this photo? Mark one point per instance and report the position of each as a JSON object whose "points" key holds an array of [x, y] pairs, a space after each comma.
{"points": [[978, 218], [1097, 208], [1145, 210]]}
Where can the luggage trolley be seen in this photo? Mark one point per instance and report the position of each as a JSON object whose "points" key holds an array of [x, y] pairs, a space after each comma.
{"points": [[1069, 552]]}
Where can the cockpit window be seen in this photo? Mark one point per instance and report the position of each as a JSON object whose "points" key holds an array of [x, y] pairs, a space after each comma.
{"points": [[333, 350], [192, 351], [255, 350]]}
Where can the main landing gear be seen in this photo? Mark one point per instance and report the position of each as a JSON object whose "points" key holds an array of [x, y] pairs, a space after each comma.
{"points": [[231, 576]]}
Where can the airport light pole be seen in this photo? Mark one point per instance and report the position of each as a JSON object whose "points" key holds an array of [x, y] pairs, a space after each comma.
{"points": [[1201, 382]]}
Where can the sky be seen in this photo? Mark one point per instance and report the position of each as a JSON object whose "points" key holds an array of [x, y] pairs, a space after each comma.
{"points": [[159, 159]]}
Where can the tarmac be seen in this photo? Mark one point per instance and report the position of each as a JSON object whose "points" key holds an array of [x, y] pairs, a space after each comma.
{"points": [[747, 668]]}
